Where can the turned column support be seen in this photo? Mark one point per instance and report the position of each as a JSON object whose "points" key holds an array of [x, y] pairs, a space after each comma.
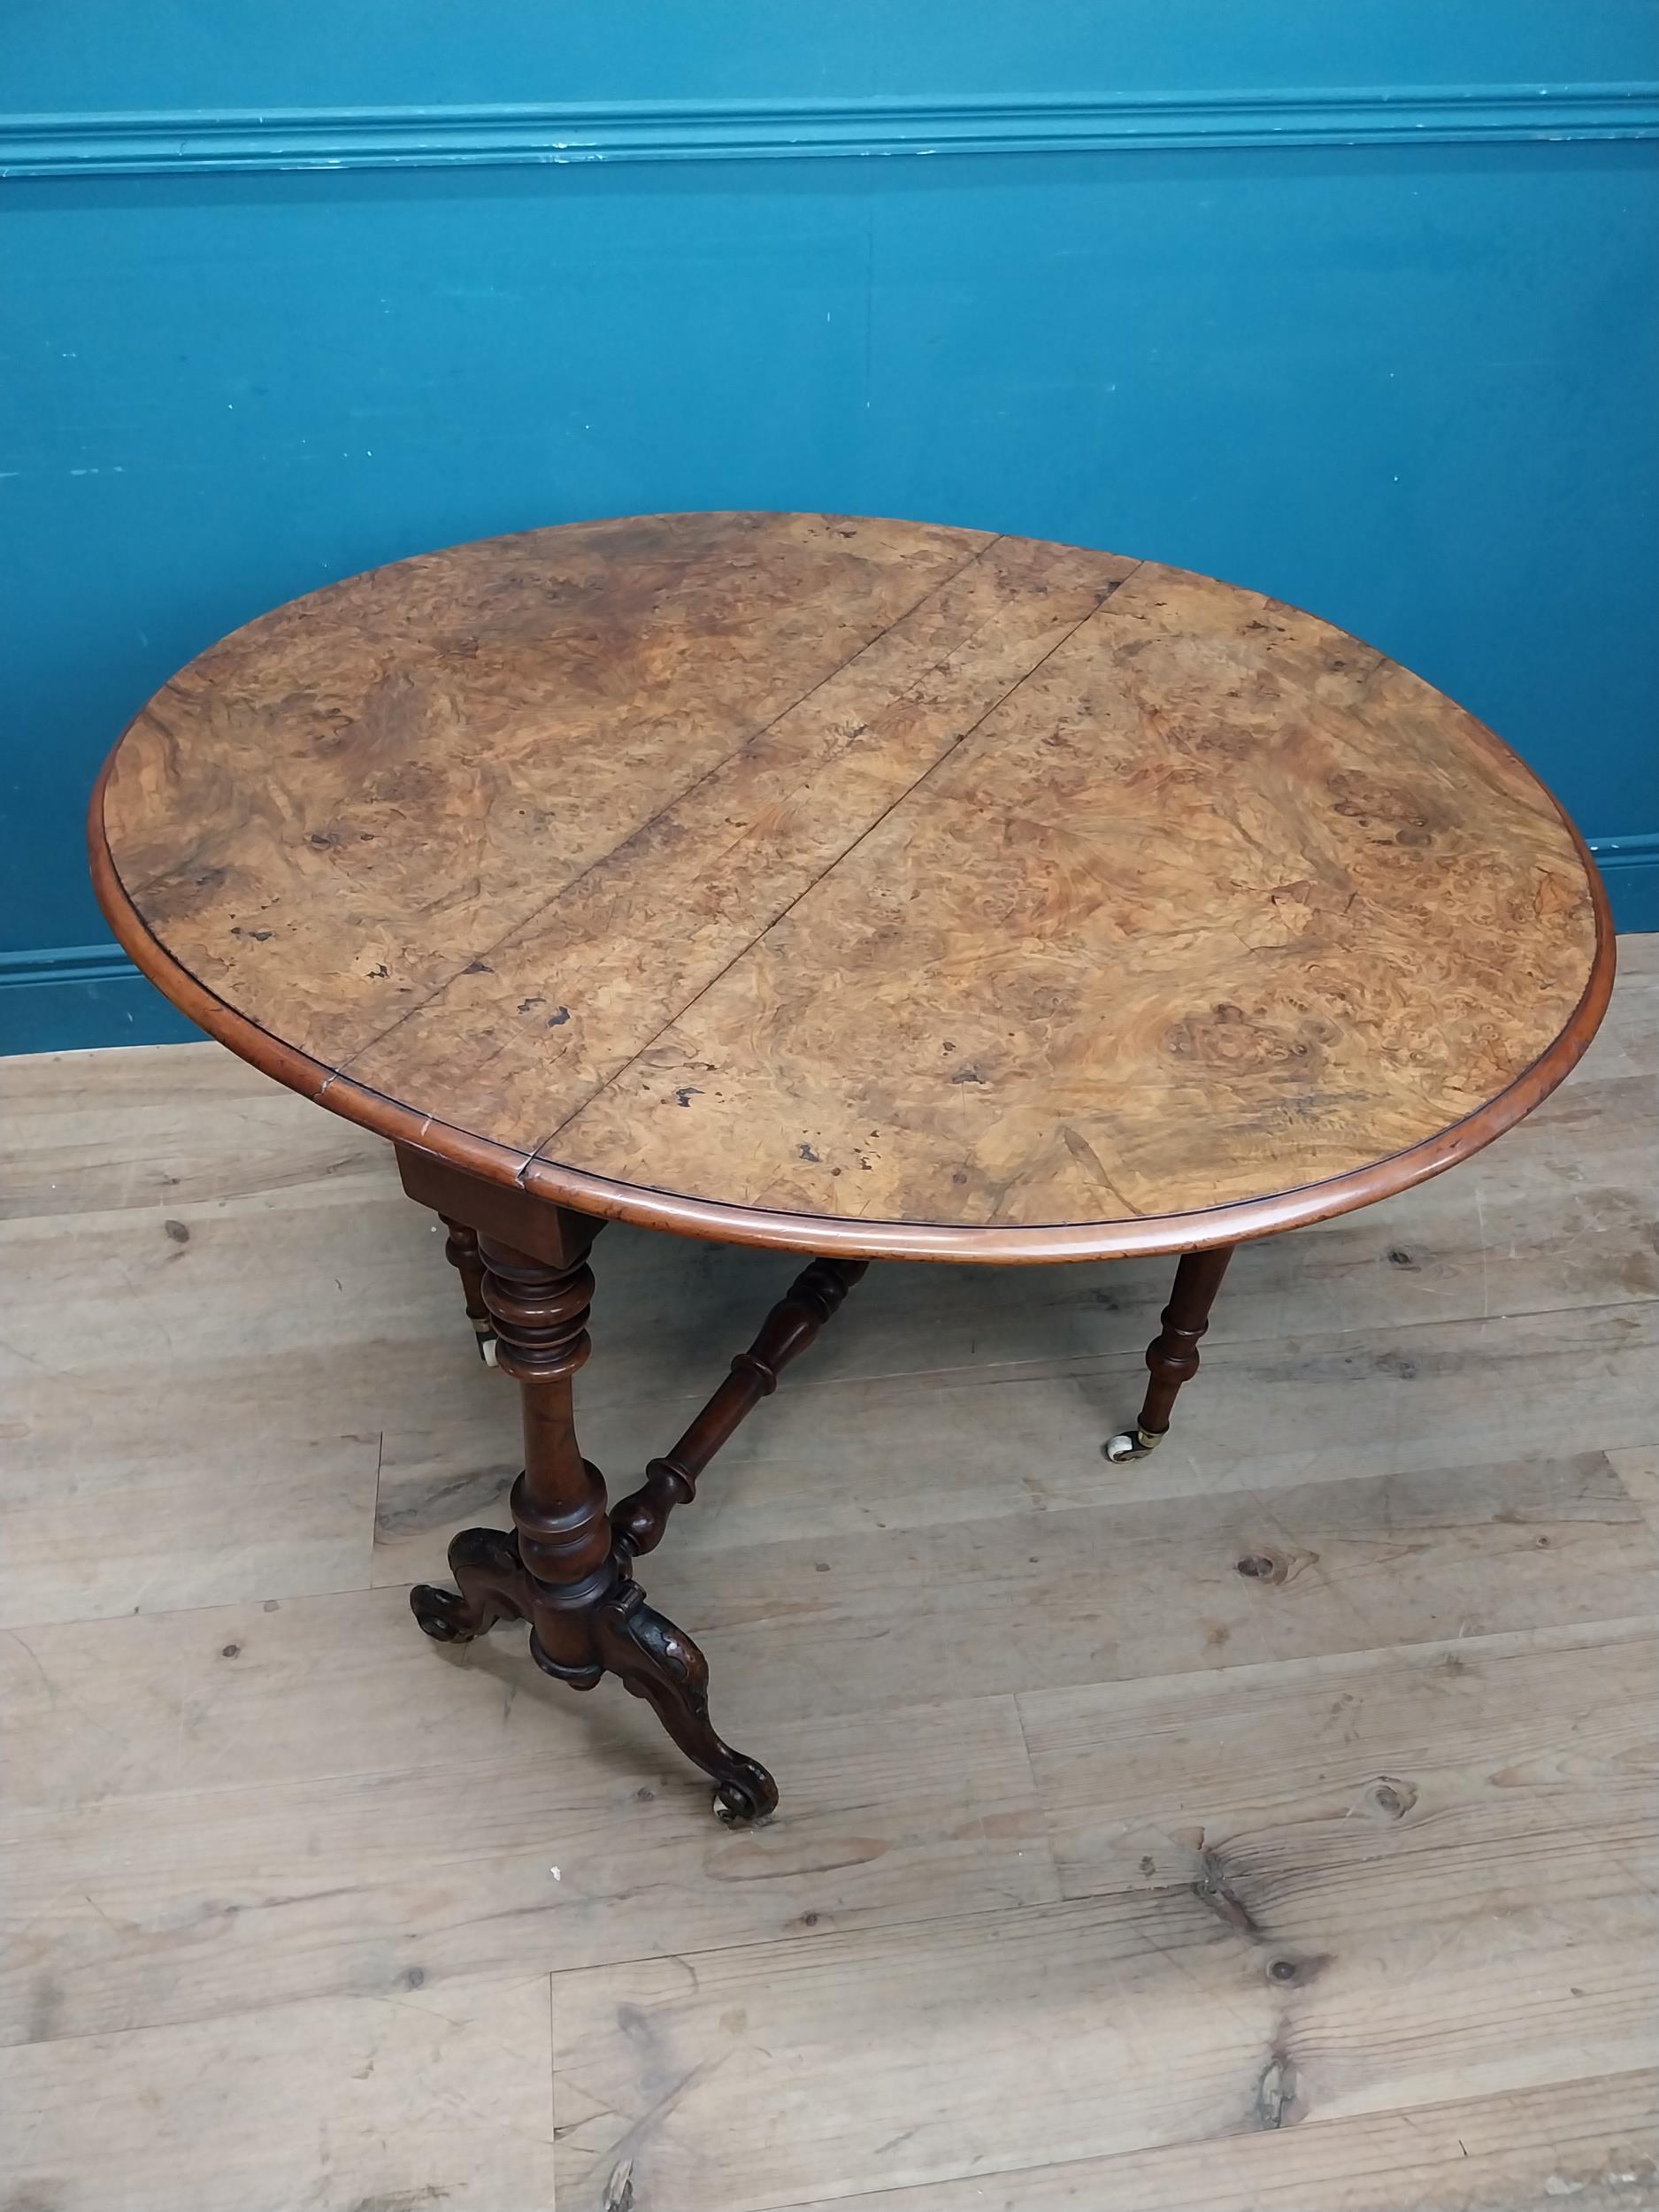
{"points": [[567, 1567], [561, 1569], [557, 1564], [1172, 1354], [558, 1502]]}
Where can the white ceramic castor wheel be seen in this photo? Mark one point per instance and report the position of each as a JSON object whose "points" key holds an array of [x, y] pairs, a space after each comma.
{"points": [[487, 1347], [1131, 1444]]}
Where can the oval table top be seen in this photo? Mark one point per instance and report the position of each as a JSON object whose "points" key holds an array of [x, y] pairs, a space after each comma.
{"points": [[857, 887]]}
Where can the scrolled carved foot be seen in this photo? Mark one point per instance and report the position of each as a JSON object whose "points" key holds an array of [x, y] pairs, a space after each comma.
{"points": [[660, 1662], [486, 1564], [748, 1794], [441, 1614], [1131, 1444]]}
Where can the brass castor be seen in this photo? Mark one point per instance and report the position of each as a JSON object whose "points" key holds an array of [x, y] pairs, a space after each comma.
{"points": [[1132, 1444], [741, 1803]]}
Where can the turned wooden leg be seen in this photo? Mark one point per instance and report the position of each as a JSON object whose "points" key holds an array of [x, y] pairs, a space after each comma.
{"points": [[561, 1569], [460, 1248], [1172, 1354]]}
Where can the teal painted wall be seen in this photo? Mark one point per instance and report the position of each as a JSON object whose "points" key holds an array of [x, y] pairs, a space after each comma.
{"points": [[1354, 304]]}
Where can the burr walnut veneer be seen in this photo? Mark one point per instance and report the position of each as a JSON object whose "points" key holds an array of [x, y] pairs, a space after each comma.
{"points": [[868, 889]]}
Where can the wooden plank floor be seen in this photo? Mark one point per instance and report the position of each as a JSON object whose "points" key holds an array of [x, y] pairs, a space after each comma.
{"points": [[1106, 1877]]}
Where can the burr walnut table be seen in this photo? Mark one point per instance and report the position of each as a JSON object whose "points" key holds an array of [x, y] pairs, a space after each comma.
{"points": [[867, 889]]}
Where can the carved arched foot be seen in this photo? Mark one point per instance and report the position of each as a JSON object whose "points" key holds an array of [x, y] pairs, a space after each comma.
{"points": [[486, 1564], [659, 1663]]}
